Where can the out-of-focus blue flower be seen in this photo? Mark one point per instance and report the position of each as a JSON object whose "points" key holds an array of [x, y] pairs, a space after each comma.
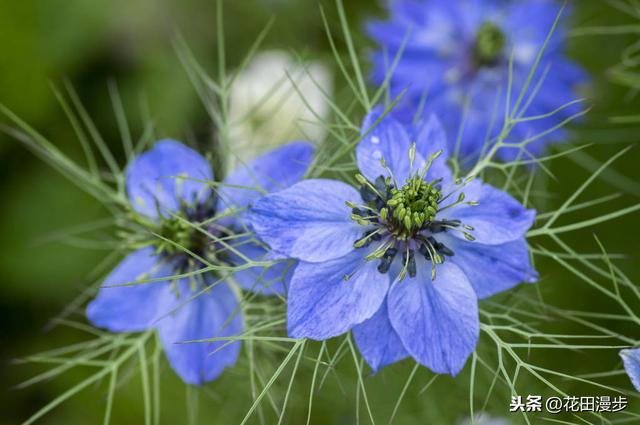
{"points": [[631, 360], [455, 63], [403, 260], [168, 185]]}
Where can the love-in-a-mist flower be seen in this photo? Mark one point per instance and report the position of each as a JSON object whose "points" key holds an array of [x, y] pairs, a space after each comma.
{"points": [[403, 259], [168, 190], [631, 360], [454, 61]]}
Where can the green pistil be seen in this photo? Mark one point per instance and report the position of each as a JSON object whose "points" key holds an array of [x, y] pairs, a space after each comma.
{"points": [[403, 220], [180, 232], [490, 43], [411, 206]]}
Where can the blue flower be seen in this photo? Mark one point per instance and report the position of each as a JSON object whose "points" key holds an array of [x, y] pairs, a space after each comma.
{"points": [[455, 63], [403, 260], [167, 186], [631, 360]]}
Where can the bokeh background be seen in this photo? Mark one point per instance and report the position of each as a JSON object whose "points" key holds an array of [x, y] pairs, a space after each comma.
{"points": [[90, 43]]}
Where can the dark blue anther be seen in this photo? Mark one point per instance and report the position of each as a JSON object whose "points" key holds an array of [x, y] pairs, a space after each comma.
{"points": [[443, 249], [374, 237], [411, 263], [367, 194], [385, 265], [358, 212], [381, 184], [437, 227], [387, 260]]}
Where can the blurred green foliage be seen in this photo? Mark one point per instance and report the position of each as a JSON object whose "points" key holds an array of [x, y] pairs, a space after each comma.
{"points": [[43, 42]]}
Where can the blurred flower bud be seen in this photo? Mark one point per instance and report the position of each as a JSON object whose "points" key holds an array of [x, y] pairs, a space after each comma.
{"points": [[267, 107]]}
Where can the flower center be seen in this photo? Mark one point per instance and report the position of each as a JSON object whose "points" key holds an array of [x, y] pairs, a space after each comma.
{"points": [[413, 205], [177, 234], [403, 222], [489, 44], [183, 237]]}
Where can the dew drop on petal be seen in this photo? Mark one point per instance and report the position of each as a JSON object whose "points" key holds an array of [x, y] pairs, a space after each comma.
{"points": [[375, 140]]}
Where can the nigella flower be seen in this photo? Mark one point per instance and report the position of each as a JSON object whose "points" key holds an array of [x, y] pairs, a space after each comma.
{"points": [[631, 360], [455, 62], [167, 187], [403, 260]]}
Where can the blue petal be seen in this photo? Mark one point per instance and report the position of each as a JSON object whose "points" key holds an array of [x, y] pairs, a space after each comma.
{"points": [[322, 304], [437, 321], [386, 140], [430, 137], [468, 132], [212, 314], [499, 218], [377, 341], [531, 22], [273, 171], [162, 177], [308, 221], [262, 280], [492, 269], [631, 360], [136, 307]]}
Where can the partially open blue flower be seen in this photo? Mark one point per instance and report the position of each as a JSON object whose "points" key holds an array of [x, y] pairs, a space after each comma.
{"points": [[455, 62], [631, 360], [403, 260], [169, 186]]}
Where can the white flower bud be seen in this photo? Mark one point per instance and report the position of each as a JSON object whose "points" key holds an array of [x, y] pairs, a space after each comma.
{"points": [[267, 110]]}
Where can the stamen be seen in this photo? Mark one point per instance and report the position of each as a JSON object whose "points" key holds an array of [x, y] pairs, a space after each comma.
{"points": [[364, 182], [348, 276], [386, 167], [444, 225], [459, 201], [428, 250], [358, 206], [409, 261], [426, 167], [368, 237], [412, 157], [379, 252], [358, 212], [364, 221]]}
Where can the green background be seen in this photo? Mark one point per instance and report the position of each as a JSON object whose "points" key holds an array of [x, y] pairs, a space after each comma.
{"points": [[89, 43]]}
